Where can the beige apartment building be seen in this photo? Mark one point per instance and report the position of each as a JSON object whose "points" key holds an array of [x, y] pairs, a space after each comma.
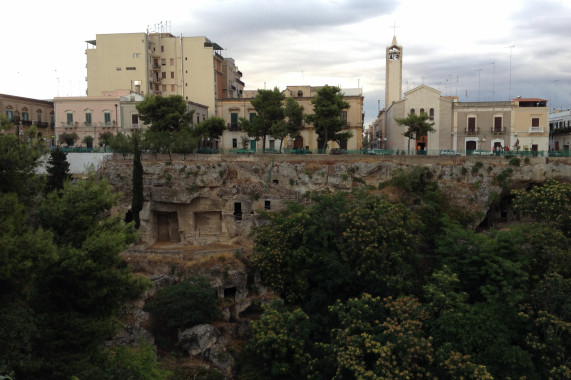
{"points": [[26, 113], [231, 110], [161, 63]]}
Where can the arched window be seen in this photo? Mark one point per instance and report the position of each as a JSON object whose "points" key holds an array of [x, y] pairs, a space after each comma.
{"points": [[412, 111], [300, 93], [431, 114], [422, 110]]}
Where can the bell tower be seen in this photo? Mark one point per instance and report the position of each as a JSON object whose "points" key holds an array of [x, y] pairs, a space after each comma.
{"points": [[393, 76]]}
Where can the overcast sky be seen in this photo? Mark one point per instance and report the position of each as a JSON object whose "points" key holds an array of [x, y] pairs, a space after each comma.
{"points": [[458, 47]]}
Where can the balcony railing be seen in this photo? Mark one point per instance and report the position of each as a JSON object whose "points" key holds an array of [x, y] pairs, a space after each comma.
{"points": [[535, 130], [472, 131], [69, 125], [498, 131]]}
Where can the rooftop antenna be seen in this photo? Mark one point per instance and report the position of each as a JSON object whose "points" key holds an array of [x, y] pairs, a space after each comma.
{"points": [[510, 90], [555, 96], [479, 71], [493, 81]]}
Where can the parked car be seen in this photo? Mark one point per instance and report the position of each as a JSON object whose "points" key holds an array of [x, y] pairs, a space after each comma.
{"points": [[300, 151], [449, 152], [480, 152], [208, 151], [337, 151]]}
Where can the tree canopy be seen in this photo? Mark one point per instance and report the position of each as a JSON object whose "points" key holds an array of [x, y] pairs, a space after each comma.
{"points": [[328, 107], [417, 125], [269, 111]]}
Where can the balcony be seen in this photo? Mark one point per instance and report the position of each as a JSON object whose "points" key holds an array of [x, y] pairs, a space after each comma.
{"points": [[156, 67], [535, 130], [68, 125], [27, 122], [498, 131], [472, 131]]}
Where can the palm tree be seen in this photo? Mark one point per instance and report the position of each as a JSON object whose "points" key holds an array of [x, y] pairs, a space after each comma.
{"points": [[418, 125]]}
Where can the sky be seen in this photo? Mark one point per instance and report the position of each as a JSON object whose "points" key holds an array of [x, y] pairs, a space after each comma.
{"points": [[476, 50]]}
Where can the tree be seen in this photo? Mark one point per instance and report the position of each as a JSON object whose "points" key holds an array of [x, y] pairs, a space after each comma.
{"points": [[337, 247], [137, 189], [381, 339], [138, 362], [105, 138], [166, 116], [88, 141], [186, 304], [328, 107], [68, 138], [211, 128], [120, 143], [18, 162], [269, 109], [58, 170], [548, 203], [280, 338], [417, 126]]}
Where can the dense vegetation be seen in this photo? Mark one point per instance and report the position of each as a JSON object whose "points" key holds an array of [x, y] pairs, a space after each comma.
{"points": [[374, 289], [62, 283]]}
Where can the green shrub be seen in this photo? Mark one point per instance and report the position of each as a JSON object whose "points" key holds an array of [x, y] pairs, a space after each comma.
{"points": [[477, 166], [180, 306], [514, 161]]}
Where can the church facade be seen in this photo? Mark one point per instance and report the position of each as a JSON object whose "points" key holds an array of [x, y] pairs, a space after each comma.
{"points": [[519, 124]]}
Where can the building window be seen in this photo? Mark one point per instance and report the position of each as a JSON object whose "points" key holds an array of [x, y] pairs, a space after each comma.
{"points": [[39, 117], [107, 117], [234, 120], [431, 114], [173, 89], [412, 111], [25, 116], [272, 144], [164, 88], [87, 119], [234, 143], [163, 62], [10, 115], [172, 61], [130, 68], [299, 94], [164, 75], [471, 125], [252, 116], [135, 119], [162, 49], [69, 118], [172, 74], [421, 111], [535, 122], [497, 124], [267, 205]]}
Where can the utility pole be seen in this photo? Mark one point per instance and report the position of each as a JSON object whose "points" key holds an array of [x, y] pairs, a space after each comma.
{"points": [[510, 90]]}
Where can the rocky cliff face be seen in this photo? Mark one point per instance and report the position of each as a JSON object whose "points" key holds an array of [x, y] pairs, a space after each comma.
{"points": [[215, 199], [198, 213]]}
